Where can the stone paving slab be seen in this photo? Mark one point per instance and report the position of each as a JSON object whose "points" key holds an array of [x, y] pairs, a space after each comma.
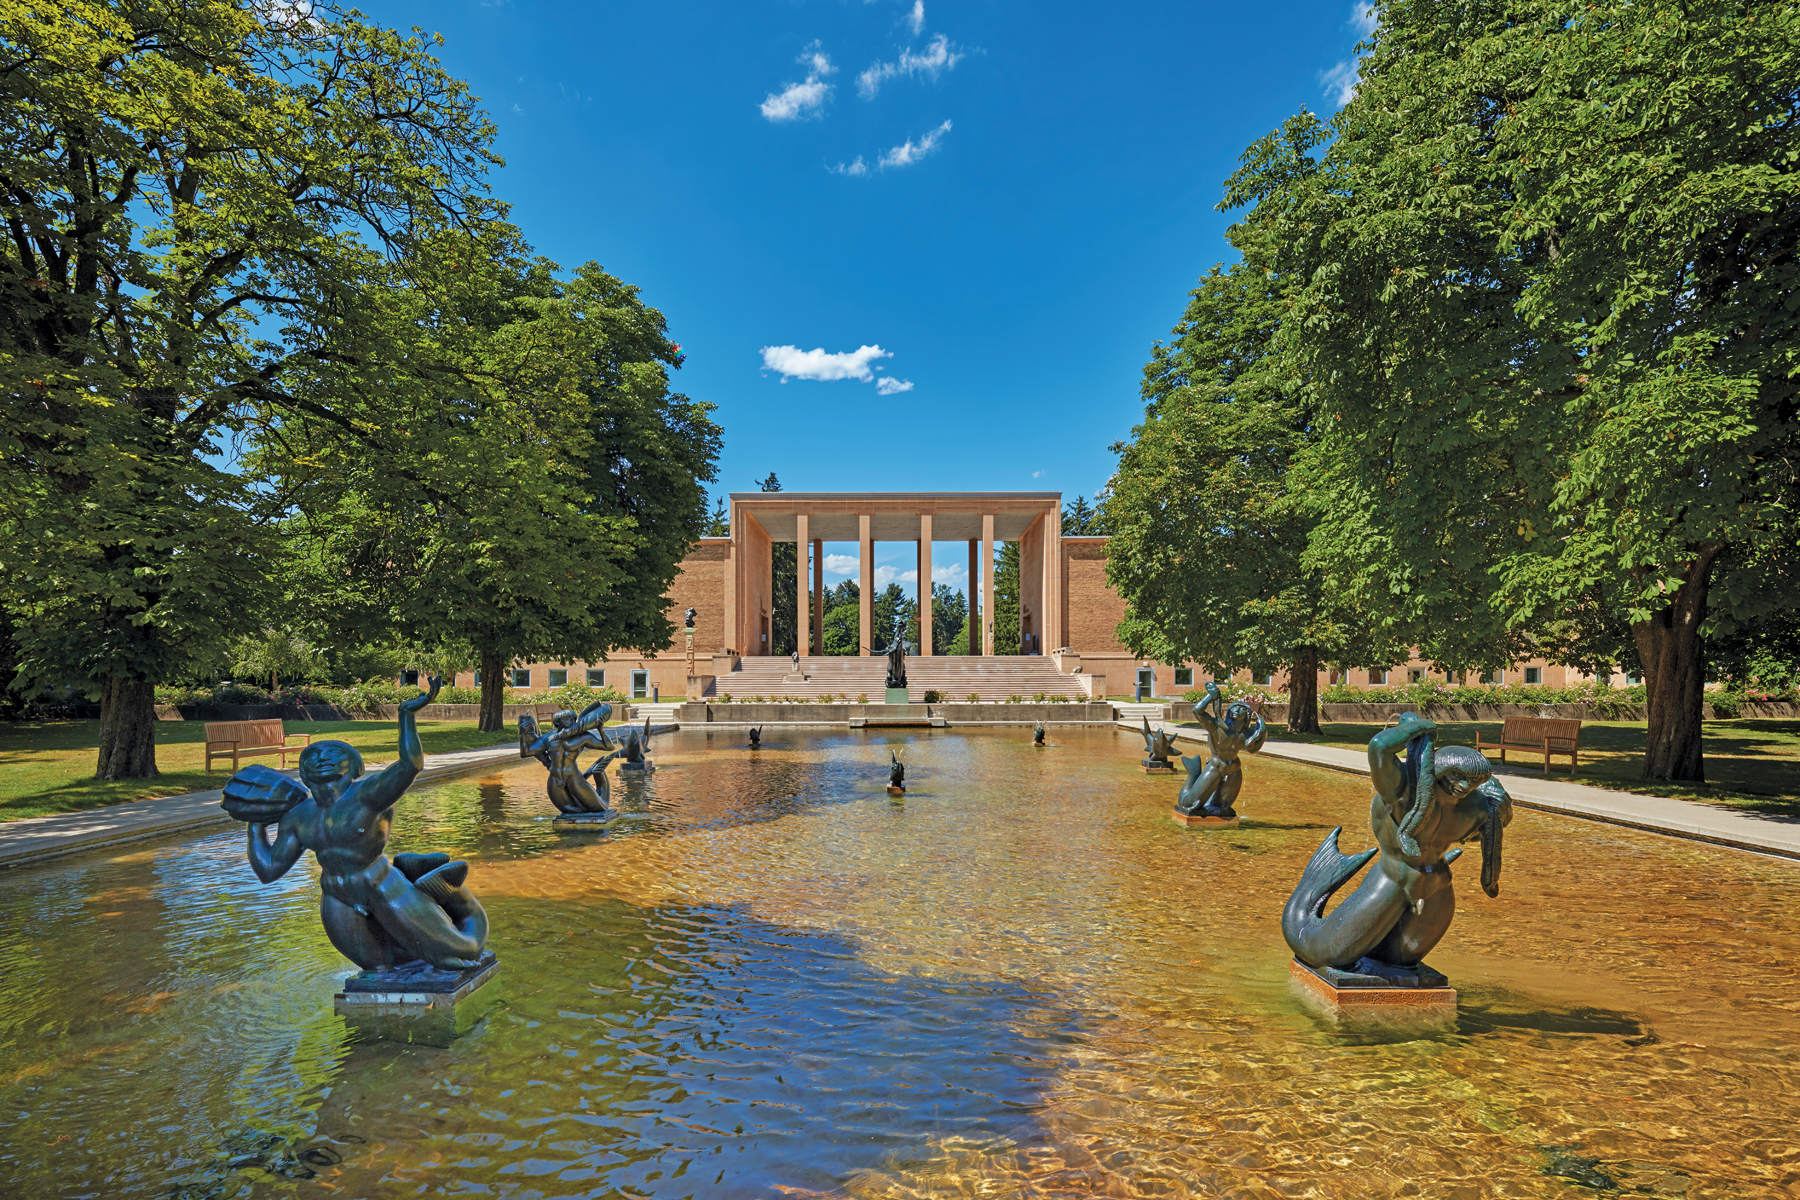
{"points": [[32, 838], [1759, 832]]}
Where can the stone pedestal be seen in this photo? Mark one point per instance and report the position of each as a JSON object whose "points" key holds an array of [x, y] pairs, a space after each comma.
{"points": [[592, 822], [896, 696], [896, 791], [418, 1002], [1352, 990], [1196, 821], [794, 677], [1156, 766], [638, 768]]}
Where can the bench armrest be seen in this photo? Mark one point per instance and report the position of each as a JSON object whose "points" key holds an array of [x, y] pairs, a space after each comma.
{"points": [[224, 744], [306, 738]]}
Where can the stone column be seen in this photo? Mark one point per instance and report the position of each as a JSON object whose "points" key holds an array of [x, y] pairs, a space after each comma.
{"points": [[801, 642], [865, 555], [1054, 637], [924, 583], [987, 584], [974, 596], [818, 603]]}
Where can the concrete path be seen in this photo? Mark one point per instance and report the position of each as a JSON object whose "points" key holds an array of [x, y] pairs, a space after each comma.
{"points": [[1530, 789], [32, 838]]}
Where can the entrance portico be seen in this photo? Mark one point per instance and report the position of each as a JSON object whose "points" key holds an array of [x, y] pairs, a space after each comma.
{"points": [[810, 519]]}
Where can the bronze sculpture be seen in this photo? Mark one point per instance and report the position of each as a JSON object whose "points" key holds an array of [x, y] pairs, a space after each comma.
{"points": [[1157, 748], [378, 914], [896, 656], [896, 772], [1423, 804], [690, 615], [634, 745], [571, 789], [756, 737], [1037, 735], [1212, 792]]}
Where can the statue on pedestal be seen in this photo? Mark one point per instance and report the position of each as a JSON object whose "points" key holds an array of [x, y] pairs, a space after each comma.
{"points": [[571, 789], [1158, 745], [896, 772], [634, 745], [1423, 804], [1239, 729], [896, 656], [379, 914]]}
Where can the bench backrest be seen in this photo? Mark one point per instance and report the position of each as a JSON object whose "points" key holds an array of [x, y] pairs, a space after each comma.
{"points": [[246, 733], [1534, 730]]}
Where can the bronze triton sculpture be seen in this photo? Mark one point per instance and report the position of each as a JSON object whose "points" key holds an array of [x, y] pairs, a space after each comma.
{"points": [[1212, 792], [378, 914], [634, 744], [896, 773], [1423, 804], [571, 789]]}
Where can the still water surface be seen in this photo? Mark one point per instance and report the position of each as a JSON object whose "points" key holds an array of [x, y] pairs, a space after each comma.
{"points": [[1021, 980]]}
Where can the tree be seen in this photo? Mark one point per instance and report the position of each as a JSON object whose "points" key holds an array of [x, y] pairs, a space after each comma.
{"points": [[949, 613], [843, 630], [203, 201], [718, 524], [1006, 598], [557, 482], [784, 580], [1549, 319], [1081, 519], [1210, 524], [276, 652], [892, 615]]}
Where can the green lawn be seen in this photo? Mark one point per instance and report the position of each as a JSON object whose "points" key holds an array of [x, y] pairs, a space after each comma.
{"points": [[1750, 763], [48, 766]]}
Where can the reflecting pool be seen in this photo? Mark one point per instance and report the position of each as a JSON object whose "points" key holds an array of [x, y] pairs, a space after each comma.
{"points": [[771, 980]]}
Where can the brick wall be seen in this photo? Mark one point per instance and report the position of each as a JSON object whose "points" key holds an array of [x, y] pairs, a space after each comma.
{"points": [[1093, 609]]}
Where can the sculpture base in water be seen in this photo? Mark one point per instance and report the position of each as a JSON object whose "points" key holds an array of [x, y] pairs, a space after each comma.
{"points": [[897, 696], [1196, 821], [638, 768], [1156, 766], [594, 822], [417, 1002], [896, 791], [1356, 989]]}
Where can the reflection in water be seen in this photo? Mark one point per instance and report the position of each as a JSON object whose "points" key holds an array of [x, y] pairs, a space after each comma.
{"points": [[1021, 980]]}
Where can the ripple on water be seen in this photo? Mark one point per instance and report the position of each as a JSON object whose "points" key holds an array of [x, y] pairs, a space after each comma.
{"points": [[771, 979]]}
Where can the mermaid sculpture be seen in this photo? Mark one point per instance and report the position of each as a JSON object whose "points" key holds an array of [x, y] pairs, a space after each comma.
{"points": [[1423, 804], [1211, 792], [378, 914], [571, 789]]}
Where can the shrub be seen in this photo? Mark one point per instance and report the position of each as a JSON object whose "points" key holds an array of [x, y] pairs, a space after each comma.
{"points": [[974, 698], [573, 696], [1037, 697], [1059, 698], [1015, 698], [933, 696], [725, 699], [862, 699]]}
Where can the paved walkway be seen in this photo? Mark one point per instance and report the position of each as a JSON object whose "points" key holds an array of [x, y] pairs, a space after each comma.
{"points": [[32, 838], [1529, 789]]}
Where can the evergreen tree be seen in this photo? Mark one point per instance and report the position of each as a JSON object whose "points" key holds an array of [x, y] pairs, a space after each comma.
{"points": [[784, 581], [1006, 598]]}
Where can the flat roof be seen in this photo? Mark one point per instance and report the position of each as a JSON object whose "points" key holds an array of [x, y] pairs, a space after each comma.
{"points": [[894, 516]]}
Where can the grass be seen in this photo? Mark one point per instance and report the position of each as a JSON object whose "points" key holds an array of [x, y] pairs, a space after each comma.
{"points": [[48, 766], [1752, 764]]}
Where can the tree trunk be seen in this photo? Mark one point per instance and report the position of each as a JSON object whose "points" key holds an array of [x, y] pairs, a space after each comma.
{"points": [[493, 692], [127, 729], [1303, 691], [1674, 659]]}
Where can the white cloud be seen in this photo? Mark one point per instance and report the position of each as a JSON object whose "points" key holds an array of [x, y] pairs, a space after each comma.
{"points": [[1340, 83], [887, 385], [859, 167], [915, 20], [1037, 474], [806, 98], [938, 57], [910, 152], [952, 574], [887, 575], [1362, 18], [840, 564], [795, 363]]}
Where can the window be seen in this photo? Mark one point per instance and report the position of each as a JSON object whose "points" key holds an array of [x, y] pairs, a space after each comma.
{"points": [[559, 678], [1377, 678], [410, 678], [522, 677], [1534, 674], [1337, 675], [640, 685], [1184, 677], [478, 679], [596, 677], [1493, 677], [1415, 675], [1266, 680], [1634, 677]]}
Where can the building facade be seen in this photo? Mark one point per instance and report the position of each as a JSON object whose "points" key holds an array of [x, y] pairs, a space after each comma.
{"points": [[1068, 615]]}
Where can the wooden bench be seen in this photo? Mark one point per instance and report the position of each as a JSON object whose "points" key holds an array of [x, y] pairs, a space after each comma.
{"points": [[1539, 735], [249, 739]]}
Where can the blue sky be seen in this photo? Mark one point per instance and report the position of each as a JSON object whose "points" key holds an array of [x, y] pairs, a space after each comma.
{"points": [[981, 214]]}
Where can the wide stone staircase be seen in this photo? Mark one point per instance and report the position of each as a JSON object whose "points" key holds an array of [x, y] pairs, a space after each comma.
{"points": [[991, 679]]}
